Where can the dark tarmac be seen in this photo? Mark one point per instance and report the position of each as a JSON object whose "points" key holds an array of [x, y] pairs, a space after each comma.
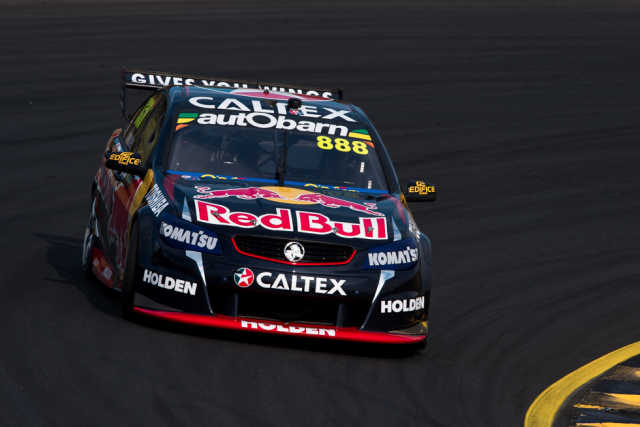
{"points": [[525, 115]]}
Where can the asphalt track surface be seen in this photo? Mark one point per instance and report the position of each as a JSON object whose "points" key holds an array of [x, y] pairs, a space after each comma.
{"points": [[524, 115]]}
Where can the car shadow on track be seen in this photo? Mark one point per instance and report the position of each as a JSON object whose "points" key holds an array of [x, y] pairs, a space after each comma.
{"points": [[65, 254]]}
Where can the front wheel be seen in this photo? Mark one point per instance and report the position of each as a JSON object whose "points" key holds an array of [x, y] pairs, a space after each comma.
{"points": [[89, 237], [130, 273]]}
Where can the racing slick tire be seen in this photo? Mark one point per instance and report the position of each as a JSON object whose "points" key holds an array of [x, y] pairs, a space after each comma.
{"points": [[89, 238], [130, 273]]}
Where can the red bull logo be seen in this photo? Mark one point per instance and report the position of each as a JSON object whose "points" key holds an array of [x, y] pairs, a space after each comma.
{"points": [[334, 202], [241, 193], [307, 222], [288, 195]]}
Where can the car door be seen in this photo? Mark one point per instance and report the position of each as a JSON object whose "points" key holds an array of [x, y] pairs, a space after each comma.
{"points": [[129, 190]]}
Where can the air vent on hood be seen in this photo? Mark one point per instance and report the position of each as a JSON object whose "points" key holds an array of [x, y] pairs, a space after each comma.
{"points": [[315, 253]]}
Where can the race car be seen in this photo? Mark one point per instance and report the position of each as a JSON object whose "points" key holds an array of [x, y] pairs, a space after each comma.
{"points": [[258, 207]]}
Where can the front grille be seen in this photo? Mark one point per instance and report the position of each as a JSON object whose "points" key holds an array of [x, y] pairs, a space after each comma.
{"points": [[273, 249]]}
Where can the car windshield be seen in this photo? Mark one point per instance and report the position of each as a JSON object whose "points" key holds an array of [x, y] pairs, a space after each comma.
{"points": [[341, 155]]}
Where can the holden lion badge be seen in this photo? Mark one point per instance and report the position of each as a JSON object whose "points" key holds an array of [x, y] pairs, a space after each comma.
{"points": [[294, 251]]}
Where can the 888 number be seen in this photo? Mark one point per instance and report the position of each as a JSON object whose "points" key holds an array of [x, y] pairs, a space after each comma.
{"points": [[340, 144]]}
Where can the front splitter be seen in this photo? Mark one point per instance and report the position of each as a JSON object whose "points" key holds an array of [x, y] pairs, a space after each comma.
{"points": [[280, 328]]}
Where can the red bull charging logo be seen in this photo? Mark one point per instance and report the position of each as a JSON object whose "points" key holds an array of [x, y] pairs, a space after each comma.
{"points": [[287, 195]]}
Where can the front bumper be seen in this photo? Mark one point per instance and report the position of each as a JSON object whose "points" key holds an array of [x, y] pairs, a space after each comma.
{"points": [[281, 328], [368, 308]]}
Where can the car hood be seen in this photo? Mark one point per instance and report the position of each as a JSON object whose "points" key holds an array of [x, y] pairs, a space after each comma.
{"points": [[358, 219]]}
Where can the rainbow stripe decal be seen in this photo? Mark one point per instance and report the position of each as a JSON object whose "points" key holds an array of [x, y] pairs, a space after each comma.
{"points": [[360, 134], [187, 117]]}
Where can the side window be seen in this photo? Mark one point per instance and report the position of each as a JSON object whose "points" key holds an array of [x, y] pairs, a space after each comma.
{"points": [[133, 129], [146, 144]]}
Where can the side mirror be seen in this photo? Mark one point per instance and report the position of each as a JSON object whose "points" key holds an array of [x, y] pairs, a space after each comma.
{"points": [[419, 191], [126, 162]]}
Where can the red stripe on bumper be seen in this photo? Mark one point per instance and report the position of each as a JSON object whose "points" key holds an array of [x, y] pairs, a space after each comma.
{"points": [[312, 331]]}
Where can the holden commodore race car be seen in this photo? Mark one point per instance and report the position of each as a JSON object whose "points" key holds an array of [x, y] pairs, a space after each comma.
{"points": [[261, 207]]}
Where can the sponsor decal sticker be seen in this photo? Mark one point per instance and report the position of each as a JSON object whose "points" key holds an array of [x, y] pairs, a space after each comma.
{"points": [[400, 255], [308, 222], [421, 189], [256, 109], [334, 202], [360, 134], [187, 117], [402, 305], [177, 81], [367, 228], [269, 121], [184, 235], [287, 195], [169, 283], [310, 95], [242, 90], [341, 144], [102, 268], [243, 277], [318, 285], [156, 200], [126, 158], [289, 328], [250, 193]]}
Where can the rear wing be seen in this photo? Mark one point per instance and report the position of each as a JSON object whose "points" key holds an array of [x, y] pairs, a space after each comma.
{"points": [[154, 80]]}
